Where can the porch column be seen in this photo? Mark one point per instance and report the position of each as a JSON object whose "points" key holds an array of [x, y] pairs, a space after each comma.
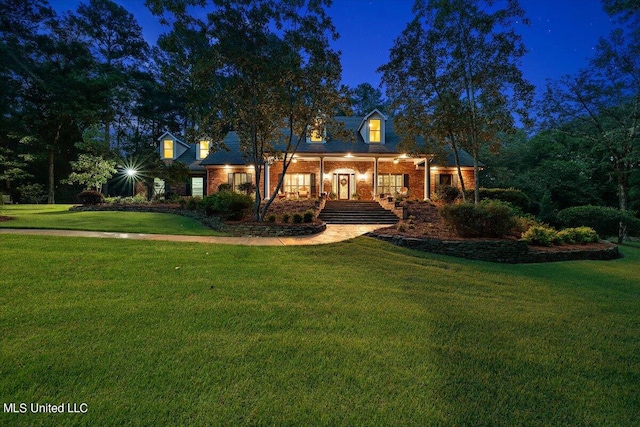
{"points": [[321, 177], [427, 179], [266, 181], [375, 177]]}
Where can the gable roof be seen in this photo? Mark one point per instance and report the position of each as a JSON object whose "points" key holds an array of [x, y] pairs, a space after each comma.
{"points": [[365, 118], [175, 138]]}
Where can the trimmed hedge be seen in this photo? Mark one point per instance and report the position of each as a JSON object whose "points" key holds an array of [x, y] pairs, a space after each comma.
{"points": [[604, 220], [490, 218]]}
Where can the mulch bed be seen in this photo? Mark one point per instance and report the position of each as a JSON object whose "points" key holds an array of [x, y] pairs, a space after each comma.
{"points": [[6, 218], [426, 221]]}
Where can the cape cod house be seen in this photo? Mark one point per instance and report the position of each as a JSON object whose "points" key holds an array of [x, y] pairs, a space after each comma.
{"points": [[370, 166]]}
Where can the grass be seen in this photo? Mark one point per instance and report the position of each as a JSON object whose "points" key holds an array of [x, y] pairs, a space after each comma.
{"points": [[356, 333], [60, 217]]}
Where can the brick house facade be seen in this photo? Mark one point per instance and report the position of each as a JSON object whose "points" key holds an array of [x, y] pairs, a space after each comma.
{"points": [[371, 166]]}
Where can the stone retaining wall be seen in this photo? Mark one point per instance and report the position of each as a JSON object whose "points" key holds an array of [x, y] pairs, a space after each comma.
{"points": [[502, 251]]}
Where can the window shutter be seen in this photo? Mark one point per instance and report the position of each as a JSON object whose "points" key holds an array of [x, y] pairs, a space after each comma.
{"points": [[455, 181], [314, 192], [230, 179], [282, 187], [406, 180], [249, 177]]}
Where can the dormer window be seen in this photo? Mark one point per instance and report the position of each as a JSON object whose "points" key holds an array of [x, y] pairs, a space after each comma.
{"points": [[203, 149], [167, 149], [375, 130], [317, 133], [316, 136]]}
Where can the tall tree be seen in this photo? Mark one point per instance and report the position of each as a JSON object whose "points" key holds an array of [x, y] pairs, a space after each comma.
{"points": [[20, 24], [273, 73], [118, 46], [603, 101], [365, 98], [456, 68], [58, 93]]}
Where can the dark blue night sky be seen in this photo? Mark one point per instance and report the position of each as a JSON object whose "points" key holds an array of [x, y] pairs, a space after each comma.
{"points": [[560, 39]]}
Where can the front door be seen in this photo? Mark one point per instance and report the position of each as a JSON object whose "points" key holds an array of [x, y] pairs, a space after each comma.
{"points": [[343, 186]]}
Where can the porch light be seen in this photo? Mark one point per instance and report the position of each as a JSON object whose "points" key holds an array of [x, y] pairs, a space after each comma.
{"points": [[395, 161], [348, 156], [362, 176], [227, 166], [294, 160]]}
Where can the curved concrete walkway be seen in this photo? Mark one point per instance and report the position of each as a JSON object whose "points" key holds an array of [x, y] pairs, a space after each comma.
{"points": [[333, 233]]}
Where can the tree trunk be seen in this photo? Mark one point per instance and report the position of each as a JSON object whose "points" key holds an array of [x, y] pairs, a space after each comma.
{"points": [[51, 196], [51, 199], [457, 161], [476, 168], [623, 189]]}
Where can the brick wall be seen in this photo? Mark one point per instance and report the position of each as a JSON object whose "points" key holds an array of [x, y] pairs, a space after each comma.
{"points": [[220, 175], [363, 170], [467, 175]]}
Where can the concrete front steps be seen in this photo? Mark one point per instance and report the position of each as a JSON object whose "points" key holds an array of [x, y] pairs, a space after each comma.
{"points": [[356, 212]]}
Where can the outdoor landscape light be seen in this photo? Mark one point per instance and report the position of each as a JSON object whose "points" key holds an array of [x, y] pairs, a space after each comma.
{"points": [[132, 174]]}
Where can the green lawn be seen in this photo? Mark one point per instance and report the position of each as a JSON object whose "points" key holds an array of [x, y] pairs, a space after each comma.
{"points": [[356, 333], [60, 217]]}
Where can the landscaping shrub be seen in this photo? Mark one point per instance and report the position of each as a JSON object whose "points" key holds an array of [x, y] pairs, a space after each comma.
{"points": [[448, 193], [227, 204], [524, 223], [578, 235], [297, 218], [192, 203], [510, 195], [540, 235], [90, 197], [247, 187], [32, 193], [604, 220], [285, 218], [224, 187], [308, 216], [490, 218], [271, 218]]}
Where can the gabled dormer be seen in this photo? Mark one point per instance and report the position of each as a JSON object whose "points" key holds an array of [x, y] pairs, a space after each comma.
{"points": [[171, 147], [372, 127]]}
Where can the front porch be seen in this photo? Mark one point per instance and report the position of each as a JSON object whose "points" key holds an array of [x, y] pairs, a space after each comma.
{"points": [[344, 177]]}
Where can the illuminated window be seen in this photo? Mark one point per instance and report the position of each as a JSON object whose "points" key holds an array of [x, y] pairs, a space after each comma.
{"points": [[167, 149], [296, 182], [316, 132], [197, 187], [237, 179], [316, 136], [390, 183], [203, 149], [375, 130]]}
